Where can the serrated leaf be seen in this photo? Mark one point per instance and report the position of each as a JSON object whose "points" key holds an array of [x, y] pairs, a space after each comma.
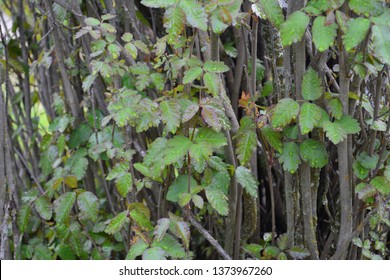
{"points": [[293, 29], [117, 223], [311, 85], [215, 66], [92, 21], [124, 183], [381, 42], [180, 186], [137, 248], [88, 82], [174, 23], [335, 108], [41, 252], [131, 49], [366, 7], [23, 217], [88, 205], [282, 241], [155, 253], [190, 112], [65, 252], [349, 124], [208, 136], [218, 200], [191, 74], [141, 219], [272, 137], [381, 184], [323, 34], [334, 131], [246, 140], [158, 3], [213, 113], [171, 246], [309, 117], [63, 205], [368, 161], [199, 153], [314, 152], [176, 149], [195, 13], [161, 229], [272, 10], [298, 253], [356, 31], [211, 82], [181, 230], [80, 135], [284, 112], [79, 167], [170, 114], [44, 208], [246, 180], [290, 157]]}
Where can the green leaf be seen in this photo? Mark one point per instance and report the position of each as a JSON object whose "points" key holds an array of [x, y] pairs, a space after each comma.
{"points": [[131, 49], [314, 152], [79, 167], [381, 184], [290, 132], [141, 218], [174, 23], [176, 149], [117, 223], [246, 180], [293, 29], [63, 205], [335, 108], [366, 7], [198, 201], [65, 252], [92, 21], [272, 11], [211, 82], [155, 253], [246, 140], [191, 74], [290, 157], [158, 3], [181, 229], [170, 115], [199, 153], [41, 252], [272, 137], [137, 249], [381, 42], [311, 85], [80, 135], [207, 136], [334, 131], [124, 183], [171, 246], [323, 33], [360, 171], [213, 113], [161, 228], [298, 253], [218, 200], [23, 217], [118, 170], [309, 117], [44, 208], [195, 13], [215, 66], [284, 112], [88, 82], [180, 186], [387, 172], [357, 30], [189, 112], [368, 161], [88, 204], [349, 124]]}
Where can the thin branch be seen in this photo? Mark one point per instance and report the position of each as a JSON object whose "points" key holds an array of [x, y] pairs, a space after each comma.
{"points": [[208, 236]]}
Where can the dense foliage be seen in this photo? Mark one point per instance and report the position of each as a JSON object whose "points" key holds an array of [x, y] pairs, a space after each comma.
{"points": [[189, 129]]}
